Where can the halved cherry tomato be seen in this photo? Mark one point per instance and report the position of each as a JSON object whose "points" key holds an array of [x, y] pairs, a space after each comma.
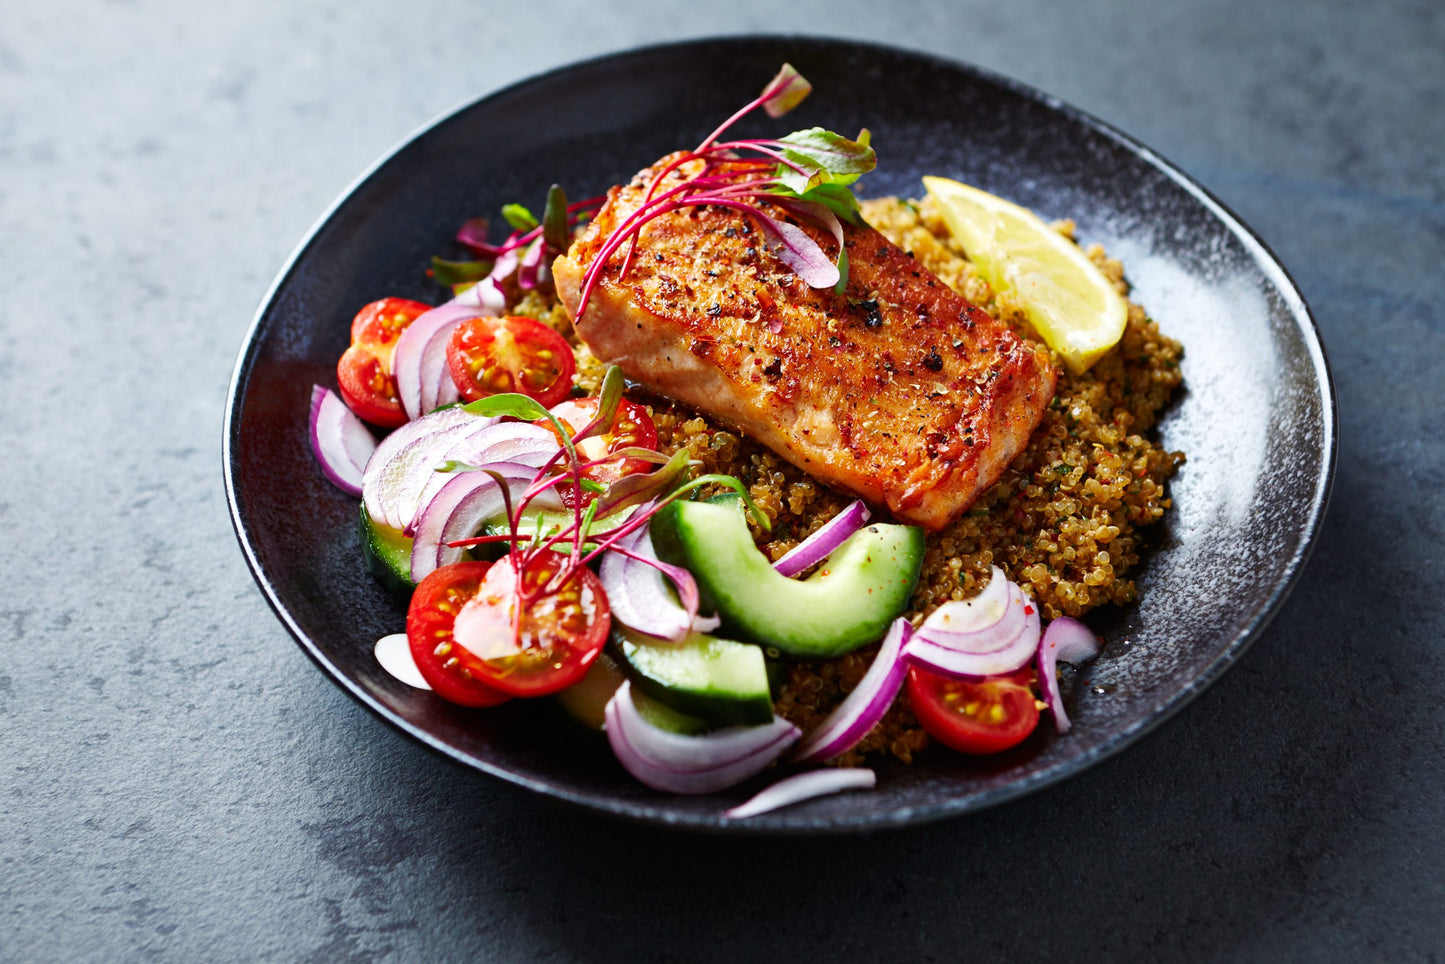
{"points": [[364, 371], [632, 427], [449, 669], [558, 637], [975, 716], [488, 356]]}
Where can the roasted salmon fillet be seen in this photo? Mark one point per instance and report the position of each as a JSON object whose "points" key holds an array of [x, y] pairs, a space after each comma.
{"points": [[896, 389]]}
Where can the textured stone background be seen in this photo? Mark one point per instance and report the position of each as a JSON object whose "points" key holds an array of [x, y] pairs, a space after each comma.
{"points": [[177, 781]]}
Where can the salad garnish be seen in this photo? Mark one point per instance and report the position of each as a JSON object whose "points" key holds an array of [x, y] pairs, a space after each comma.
{"points": [[805, 175], [572, 546]]}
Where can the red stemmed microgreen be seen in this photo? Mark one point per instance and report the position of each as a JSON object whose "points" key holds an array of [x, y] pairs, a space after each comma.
{"points": [[527, 250], [804, 176], [644, 493]]}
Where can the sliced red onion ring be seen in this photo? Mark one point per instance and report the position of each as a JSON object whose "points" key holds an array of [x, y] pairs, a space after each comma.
{"points": [[940, 655], [1068, 640], [458, 510], [404, 477], [804, 786], [432, 367], [394, 654], [340, 441], [520, 442], [419, 362], [691, 764], [408, 356], [446, 391], [505, 265], [982, 624], [821, 544], [852, 720], [640, 598], [517, 442], [402, 450], [527, 268]]}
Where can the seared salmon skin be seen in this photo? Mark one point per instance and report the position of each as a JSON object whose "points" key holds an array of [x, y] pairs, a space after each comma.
{"points": [[896, 389]]}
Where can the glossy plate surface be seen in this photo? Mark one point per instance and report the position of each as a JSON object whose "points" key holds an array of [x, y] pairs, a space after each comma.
{"points": [[1256, 416]]}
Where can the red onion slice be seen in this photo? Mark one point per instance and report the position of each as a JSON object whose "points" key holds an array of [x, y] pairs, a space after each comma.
{"points": [[640, 598], [458, 510], [517, 442], [821, 544], [520, 442], [852, 720], [340, 441], [527, 268], [675, 763], [1068, 640], [394, 654], [407, 357], [804, 786], [405, 477], [505, 265], [432, 367], [943, 657], [983, 624], [419, 361], [446, 391], [388, 465]]}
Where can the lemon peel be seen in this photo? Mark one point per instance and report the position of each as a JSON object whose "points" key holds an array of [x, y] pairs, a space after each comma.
{"points": [[1067, 299]]}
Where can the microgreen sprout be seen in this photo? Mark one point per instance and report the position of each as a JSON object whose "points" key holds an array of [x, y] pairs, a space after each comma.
{"points": [[641, 494], [528, 250], [805, 176]]}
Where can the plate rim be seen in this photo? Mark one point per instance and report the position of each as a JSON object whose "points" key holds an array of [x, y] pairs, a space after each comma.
{"points": [[646, 812]]}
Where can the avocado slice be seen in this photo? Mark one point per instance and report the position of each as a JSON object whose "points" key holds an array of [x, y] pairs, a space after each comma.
{"points": [[716, 679], [848, 602]]}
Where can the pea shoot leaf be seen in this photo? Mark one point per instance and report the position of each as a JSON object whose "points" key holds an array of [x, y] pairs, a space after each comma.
{"points": [[508, 404], [459, 272], [519, 217]]}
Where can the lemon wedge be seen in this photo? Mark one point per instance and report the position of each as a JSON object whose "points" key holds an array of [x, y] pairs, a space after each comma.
{"points": [[1067, 298]]}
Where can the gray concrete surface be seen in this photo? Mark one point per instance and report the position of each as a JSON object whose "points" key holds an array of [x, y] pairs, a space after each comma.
{"points": [[178, 782]]}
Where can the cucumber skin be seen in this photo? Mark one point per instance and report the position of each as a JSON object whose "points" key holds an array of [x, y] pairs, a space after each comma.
{"points": [[805, 634], [374, 550], [717, 708]]}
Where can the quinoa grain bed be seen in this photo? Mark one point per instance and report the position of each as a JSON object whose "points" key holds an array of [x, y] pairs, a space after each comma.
{"points": [[1063, 521]]}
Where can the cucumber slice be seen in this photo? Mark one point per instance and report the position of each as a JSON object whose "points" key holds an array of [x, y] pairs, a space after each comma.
{"points": [[716, 679], [388, 554], [552, 521], [847, 603], [666, 718], [586, 699]]}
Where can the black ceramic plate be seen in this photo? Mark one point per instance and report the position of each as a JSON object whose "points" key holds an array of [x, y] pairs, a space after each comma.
{"points": [[1256, 417]]}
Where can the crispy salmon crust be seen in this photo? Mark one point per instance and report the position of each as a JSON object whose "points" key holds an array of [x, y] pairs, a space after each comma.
{"points": [[897, 389]]}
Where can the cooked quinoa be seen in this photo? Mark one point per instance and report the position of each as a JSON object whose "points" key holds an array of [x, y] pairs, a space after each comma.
{"points": [[1063, 522]]}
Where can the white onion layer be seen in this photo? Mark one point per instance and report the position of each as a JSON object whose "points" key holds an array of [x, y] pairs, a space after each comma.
{"points": [[701, 764], [387, 465], [941, 653], [804, 786], [394, 654]]}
